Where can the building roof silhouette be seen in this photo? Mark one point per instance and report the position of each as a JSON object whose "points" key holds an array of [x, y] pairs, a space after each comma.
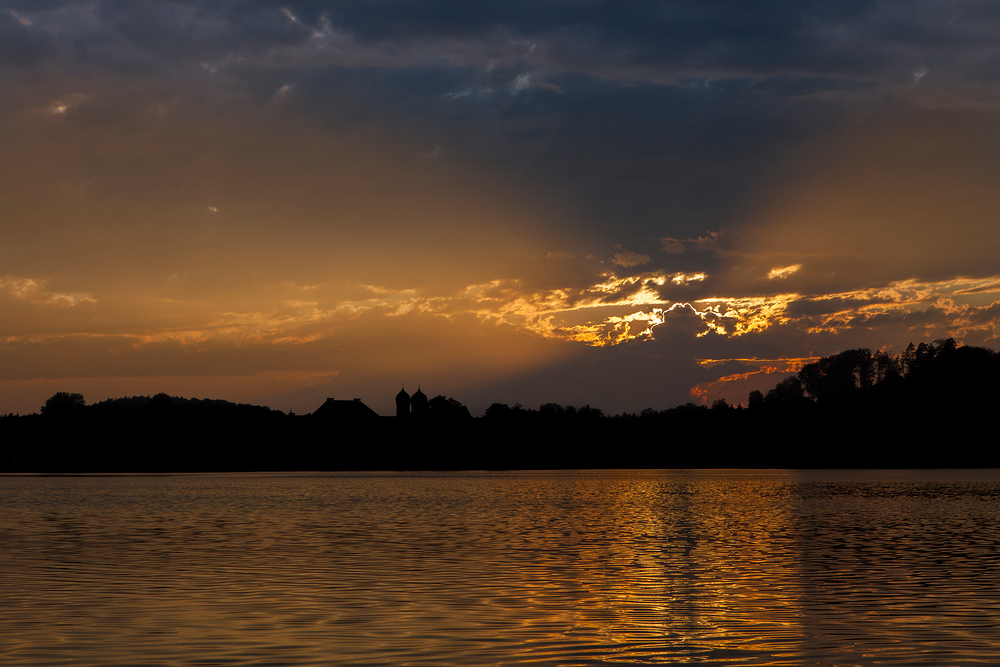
{"points": [[345, 410]]}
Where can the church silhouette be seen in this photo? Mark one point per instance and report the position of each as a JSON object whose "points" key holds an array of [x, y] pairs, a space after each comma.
{"points": [[410, 408]]}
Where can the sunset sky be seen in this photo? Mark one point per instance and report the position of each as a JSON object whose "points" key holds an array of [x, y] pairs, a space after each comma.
{"points": [[625, 204]]}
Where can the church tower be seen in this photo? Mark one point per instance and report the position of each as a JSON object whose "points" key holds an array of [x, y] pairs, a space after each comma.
{"points": [[419, 402], [403, 403]]}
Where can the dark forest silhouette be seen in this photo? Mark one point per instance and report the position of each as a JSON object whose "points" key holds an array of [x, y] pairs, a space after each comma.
{"points": [[931, 406]]}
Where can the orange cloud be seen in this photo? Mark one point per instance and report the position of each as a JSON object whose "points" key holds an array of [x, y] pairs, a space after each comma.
{"points": [[707, 391], [685, 278], [783, 271], [33, 291]]}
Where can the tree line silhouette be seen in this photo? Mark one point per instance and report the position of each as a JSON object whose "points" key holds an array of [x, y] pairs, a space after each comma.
{"points": [[930, 406]]}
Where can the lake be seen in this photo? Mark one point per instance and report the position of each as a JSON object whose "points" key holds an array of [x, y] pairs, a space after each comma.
{"points": [[550, 568]]}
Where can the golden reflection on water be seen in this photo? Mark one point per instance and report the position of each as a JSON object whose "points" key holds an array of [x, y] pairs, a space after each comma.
{"points": [[706, 567]]}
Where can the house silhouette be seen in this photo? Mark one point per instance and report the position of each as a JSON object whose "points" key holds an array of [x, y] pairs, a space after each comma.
{"points": [[345, 410]]}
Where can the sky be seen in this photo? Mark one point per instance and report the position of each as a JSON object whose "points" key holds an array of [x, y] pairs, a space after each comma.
{"points": [[614, 203]]}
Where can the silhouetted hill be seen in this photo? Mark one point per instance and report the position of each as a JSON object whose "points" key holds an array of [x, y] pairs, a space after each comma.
{"points": [[931, 406]]}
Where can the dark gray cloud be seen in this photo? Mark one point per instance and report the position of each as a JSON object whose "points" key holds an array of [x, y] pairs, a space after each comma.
{"points": [[21, 46], [650, 119], [727, 36]]}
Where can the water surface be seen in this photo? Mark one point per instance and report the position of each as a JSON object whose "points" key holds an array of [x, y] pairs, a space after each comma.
{"points": [[564, 568]]}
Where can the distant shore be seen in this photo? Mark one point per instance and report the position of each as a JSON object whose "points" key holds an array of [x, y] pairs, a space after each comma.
{"points": [[932, 406], [684, 437]]}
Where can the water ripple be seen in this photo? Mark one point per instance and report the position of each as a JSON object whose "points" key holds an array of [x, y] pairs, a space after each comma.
{"points": [[595, 568]]}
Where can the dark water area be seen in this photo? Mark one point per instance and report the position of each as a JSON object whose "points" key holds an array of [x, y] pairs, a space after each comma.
{"points": [[551, 568]]}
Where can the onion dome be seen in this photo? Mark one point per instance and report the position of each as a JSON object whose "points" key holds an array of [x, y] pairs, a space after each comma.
{"points": [[402, 403], [419, 401]]}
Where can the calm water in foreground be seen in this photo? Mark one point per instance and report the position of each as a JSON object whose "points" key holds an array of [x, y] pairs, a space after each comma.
{"points": [[588, 568]]}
